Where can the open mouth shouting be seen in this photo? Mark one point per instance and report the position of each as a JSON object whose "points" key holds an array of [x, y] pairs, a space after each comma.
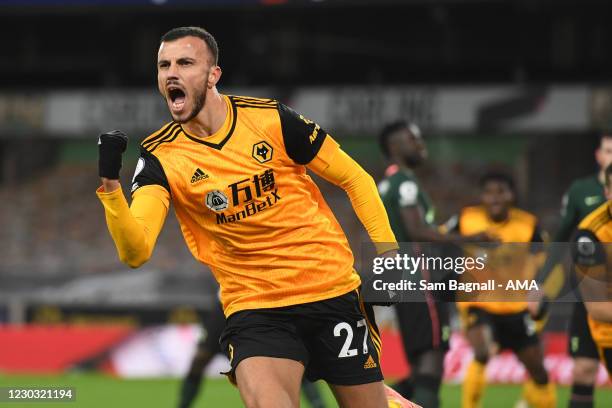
{"points": [[176, 98]]}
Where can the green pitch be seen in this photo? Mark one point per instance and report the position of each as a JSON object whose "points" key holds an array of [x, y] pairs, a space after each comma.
{"points": [[98, 391]]}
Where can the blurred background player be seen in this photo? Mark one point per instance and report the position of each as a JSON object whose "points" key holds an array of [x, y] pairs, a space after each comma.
{"points": [[494, 325], [593, 260], [424, 325], [583, 196], [207, 348]]}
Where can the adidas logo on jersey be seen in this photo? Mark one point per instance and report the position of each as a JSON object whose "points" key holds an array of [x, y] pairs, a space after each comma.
{"points": [[198, 175], [370, 363]]}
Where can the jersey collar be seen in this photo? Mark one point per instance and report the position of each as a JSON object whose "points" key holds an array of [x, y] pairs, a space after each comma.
{"points": [[396, 168], [218, 139]]}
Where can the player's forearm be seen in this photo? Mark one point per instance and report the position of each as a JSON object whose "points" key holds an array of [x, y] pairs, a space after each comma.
{"points": [[134, 231], [129, 236], [370, 210]]}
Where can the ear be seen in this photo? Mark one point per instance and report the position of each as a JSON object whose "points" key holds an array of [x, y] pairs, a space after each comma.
{"points": [[598, 157], [511, 196], [213, 76]]}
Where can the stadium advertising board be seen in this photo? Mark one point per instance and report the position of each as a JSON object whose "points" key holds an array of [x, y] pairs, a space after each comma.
{"points": [[350, 110], [127, 315]]}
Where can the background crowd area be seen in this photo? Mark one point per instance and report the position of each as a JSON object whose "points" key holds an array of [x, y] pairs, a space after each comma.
{"points": [[516, 86]]}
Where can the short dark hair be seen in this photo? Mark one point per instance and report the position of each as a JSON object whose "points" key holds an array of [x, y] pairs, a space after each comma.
{"points": [[387, 132], [181, 32], [608, 176], [499, 177]]}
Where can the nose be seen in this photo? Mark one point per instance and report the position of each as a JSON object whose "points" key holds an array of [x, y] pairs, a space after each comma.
{"points": [[172, 71]]}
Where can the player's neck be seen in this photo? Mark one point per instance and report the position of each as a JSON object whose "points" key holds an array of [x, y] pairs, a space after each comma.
{"points": [[499, 218], [406, 169], [401, 165], [211, 117]]}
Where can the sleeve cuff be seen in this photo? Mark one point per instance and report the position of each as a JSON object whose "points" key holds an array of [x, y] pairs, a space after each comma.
{"points": [[103, 195], [382, 247]]}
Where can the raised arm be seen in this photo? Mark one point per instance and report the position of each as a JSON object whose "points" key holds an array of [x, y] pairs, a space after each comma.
{"points": [[308, 144], [134, 228]]}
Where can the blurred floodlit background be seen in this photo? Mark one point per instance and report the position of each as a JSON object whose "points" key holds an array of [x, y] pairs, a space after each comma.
{"points": [[516, 85]]}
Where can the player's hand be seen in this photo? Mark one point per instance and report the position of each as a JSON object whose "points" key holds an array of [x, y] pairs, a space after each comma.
{"points": [[392, 296], [481, 237], [111, 146], [537, 304]]}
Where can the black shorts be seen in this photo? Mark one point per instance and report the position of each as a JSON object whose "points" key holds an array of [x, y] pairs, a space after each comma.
{"points": [[336, 339], [213, 323], [424, 326], [581, 343], [514, 331]]}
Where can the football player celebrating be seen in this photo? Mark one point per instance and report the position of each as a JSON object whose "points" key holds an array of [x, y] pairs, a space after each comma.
{"points": [[234, 169]]}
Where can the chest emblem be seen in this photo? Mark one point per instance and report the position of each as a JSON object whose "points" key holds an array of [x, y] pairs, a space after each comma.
{"points": [[216, 200], [262, 152]]}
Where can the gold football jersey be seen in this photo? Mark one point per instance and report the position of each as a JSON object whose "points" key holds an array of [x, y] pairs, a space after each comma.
{"points": [[593, 258], [506, 261], [248, 209]]}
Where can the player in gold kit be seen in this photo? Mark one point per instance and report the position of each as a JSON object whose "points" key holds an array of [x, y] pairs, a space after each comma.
{"points": [[593, 260], [234, 169], [495, 324]]}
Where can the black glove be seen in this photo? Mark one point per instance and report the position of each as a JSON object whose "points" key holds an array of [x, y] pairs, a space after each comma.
{"points": [[111, 146]]}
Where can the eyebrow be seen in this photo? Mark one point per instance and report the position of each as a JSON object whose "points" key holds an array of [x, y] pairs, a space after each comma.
{"points": [[181, 59]]}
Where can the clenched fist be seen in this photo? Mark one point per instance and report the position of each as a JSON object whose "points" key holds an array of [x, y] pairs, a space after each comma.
{"points": [[111, 146]]}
